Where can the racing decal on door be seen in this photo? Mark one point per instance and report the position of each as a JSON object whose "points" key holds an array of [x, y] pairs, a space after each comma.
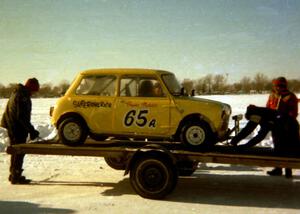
{"points": [[143, 104], [91, 104], [139, 118]]}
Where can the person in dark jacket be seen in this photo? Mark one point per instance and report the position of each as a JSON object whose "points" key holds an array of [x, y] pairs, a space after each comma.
{"points": [[16, 119]]}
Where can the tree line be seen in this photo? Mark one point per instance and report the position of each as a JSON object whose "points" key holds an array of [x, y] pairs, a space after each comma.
{"points": [[209, 84], [47, 90], [218, 84]]}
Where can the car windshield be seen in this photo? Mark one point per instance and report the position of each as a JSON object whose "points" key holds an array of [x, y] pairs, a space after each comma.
{"points": [[172, 84]]}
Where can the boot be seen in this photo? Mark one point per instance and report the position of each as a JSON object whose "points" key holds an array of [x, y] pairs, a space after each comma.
{"points": [[288, 173], [275, 172], [16, 178], [20, 180]]}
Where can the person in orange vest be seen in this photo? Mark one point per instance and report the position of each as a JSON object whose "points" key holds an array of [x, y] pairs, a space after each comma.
{"points": [[279, 116], [286, 103]]}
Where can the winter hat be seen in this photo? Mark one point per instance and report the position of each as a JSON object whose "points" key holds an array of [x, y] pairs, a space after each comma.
{"points": [[280, 81], [32, 84]]}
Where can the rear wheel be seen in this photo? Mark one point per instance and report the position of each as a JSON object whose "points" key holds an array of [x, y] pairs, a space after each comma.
{"points": [[72, 131], [153, 178], [196, 135]]}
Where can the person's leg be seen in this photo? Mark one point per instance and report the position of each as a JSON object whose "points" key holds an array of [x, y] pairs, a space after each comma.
{"points": [[248, 129], [16, 164], [16, 170], [288, 173]]}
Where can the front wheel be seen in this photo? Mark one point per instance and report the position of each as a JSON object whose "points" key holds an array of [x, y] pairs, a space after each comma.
{"points": [[153, 177], [196, 135], [72, 131]]}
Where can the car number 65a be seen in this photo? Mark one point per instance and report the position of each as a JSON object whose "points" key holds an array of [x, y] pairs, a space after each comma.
{"points": [[139, 118]]}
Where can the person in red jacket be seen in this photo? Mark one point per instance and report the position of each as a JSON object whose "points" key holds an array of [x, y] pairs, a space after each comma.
{"points": [[286, 103]]}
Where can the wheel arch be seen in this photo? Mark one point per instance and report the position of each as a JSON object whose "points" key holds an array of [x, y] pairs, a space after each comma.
{"points": [[194, 117], [151, 150], [74, 115]]}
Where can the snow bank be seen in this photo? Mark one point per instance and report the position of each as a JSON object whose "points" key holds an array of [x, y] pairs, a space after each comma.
{"points": [[47, 132], [4, 140]]}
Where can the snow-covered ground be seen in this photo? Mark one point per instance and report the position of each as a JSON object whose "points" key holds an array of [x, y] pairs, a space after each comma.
{"points": [[67, 184]]}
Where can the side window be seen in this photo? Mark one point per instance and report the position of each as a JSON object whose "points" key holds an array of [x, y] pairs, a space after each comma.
{"points": [[128, 87], [150, 88], [97, 85], [141, 87]]}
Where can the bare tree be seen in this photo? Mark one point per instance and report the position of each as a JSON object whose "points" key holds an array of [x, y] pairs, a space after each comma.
{"points": [[219, 83], [188, 85], [260, 81], [246, 84], [207, 81]]}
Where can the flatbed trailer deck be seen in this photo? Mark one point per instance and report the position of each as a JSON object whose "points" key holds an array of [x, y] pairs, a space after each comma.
{"points": [[154, 166]]}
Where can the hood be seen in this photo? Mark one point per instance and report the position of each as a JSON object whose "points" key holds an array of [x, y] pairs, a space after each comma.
{"points": [[201, 100]]}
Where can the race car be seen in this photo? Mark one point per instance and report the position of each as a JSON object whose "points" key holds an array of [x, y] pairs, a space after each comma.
{"points": [[137, 104]]}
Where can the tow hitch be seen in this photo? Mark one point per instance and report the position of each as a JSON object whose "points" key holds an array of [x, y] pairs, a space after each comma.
{"points": [[236, 127]]}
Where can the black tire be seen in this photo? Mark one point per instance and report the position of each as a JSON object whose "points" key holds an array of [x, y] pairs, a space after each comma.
{"points": [[118, 163], [196, 135], [187, 168], [97, 137], [153, 178], [72, 131]]}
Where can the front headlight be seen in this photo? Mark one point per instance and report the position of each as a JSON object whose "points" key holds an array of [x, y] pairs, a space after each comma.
{"points": [[226, 111]]}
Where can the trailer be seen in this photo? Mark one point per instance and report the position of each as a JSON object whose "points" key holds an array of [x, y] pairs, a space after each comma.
{"points": [[154, 167]]}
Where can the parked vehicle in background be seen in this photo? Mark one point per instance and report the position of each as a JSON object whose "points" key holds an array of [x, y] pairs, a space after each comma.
{"points": [[137, 103]]}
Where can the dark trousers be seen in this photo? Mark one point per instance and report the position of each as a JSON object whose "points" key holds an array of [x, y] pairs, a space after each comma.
{"points": [[247, 130], [16, 162]]}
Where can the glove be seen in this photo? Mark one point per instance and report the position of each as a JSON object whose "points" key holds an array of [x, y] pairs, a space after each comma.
{"points": [[34, 134]]}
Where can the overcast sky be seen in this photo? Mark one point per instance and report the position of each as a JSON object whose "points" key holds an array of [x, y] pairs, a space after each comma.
{"points": [[55, 39]]}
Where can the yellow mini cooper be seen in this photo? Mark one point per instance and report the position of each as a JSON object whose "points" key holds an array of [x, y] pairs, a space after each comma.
{"points": [[137, 103]]}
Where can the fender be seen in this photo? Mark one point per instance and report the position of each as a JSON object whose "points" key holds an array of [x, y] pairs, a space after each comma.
{"points": [[154, 150]]}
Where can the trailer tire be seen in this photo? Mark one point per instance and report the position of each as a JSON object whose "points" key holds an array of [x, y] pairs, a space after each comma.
{"points": [[153, 177], [118, 163], [72, 131]]}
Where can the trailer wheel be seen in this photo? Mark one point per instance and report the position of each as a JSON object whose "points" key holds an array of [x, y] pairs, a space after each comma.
{"points": [[118, 163], [153, 177], [72, 131], [196, 135]]}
